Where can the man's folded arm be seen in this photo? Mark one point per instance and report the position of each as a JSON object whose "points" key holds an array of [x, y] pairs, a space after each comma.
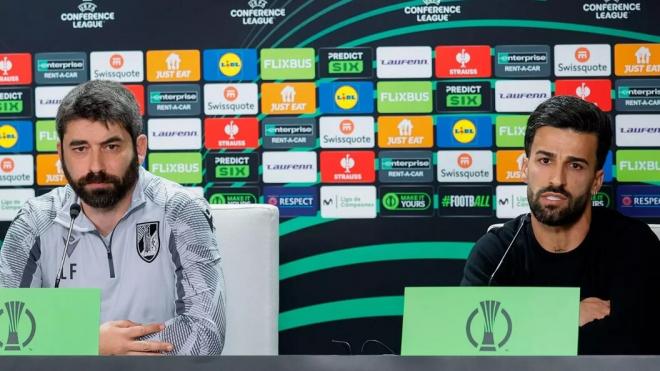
{"points": [[20, 253]]}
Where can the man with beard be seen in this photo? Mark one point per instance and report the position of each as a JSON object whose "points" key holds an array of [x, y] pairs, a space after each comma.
{"points": [[146, 242], [565, 242]]}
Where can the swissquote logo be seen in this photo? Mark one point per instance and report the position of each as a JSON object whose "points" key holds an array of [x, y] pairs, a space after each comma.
{"points": [[88, 16], [14, 316]]}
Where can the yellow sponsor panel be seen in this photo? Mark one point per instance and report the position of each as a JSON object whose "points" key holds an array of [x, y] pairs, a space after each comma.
{"points": [[405, 131], [173, 65], [637, 59], [288, 98], [509, 163], [49, 171]]}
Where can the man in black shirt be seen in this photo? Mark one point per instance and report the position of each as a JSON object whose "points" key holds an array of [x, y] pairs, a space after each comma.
{"points": [[564, 242]]}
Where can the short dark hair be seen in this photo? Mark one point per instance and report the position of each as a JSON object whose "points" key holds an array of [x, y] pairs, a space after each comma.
{"points": [[567, 112], [103, 101]]}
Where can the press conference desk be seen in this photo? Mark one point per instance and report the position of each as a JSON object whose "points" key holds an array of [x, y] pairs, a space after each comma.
{"points": [[331, 363]]}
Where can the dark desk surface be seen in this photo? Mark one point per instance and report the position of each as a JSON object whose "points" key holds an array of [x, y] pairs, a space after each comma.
{"points": [[332, 363]]}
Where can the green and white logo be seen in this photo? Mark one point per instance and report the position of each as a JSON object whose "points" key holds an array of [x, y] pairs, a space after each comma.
{"points": [[287, 64], [405, 97], [180, 167], [510, 131], [638, 165], [46, 136]]}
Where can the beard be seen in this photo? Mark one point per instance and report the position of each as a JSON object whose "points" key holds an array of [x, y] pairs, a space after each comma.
{"points": [[557, 216], [104, 198]]}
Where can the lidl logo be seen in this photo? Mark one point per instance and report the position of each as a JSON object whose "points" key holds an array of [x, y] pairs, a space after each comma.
{"points": [[232, 167], [230, 64], [61, 68], [346, 132], [16, 136], [46, 136], [293, 201], [49, 170], [287, 64], [510, 130], [638, 165], [406, 201], [522, 61], [464, 97], [231, 99], [509, 165], [405, 131], [346, 97], [288, 98], [180, 167], [405, 97], [583, 60], [347, 167], [173, 65], [232, 196], [122, 66], [639, 200], [15, 69], [597, 92], [464, 131], [637, 59], [465, 200], [289, 132], [396, 62], [405, 167], [174, 100], [463, 61], [231, 133], [637, 95], [15, 102], [345, 62], [465, 166]]}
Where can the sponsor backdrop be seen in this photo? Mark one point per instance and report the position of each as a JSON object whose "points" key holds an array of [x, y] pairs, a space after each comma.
{"points": [[389, 134]]}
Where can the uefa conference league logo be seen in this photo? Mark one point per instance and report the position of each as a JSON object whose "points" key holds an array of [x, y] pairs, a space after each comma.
{"points": [[491, 340], [17, 337]]}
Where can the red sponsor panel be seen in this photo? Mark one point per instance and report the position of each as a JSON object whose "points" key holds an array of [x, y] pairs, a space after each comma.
{"points": [[231, 133], [15, 68], [463, 61], [597, 92], [138, 92], [347, 167]]}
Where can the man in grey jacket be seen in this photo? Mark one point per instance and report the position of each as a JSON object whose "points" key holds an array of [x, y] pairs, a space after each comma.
{"points": [[146, 242]]}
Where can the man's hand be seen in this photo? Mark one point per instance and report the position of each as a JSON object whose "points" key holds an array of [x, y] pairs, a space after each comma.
{"points": [[119, 338], [592, 309]]}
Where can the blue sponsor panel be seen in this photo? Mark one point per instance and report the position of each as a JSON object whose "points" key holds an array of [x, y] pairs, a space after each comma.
{"points": [[230, 64], [464, 131], [16, 136], [638, 200], [293, 201], [607, 167], [346, 97]]}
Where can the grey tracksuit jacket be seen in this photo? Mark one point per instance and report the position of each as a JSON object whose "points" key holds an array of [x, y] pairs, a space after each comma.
{"points": [[161, 263]]}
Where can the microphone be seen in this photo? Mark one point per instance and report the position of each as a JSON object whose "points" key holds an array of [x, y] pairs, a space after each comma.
{"points": [[74, 211], [515, 237]]}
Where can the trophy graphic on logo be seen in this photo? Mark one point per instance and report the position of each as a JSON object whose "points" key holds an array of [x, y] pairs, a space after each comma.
{"points": [[489, 311], [15, 311]]}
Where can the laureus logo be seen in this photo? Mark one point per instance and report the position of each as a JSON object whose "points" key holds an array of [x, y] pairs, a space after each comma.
{"points": [[492, 339], [18, 335]]}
